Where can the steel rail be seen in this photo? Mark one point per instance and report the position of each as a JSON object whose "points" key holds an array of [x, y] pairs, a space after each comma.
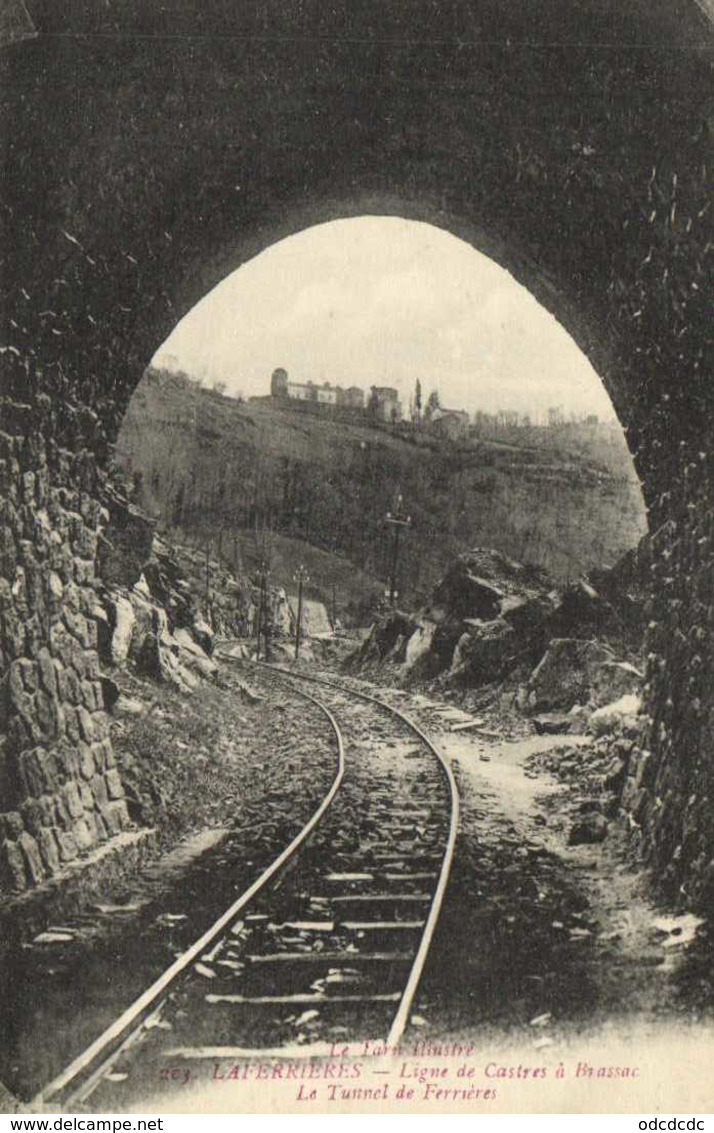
{"points": [[402, 1016], [88, 1067]]}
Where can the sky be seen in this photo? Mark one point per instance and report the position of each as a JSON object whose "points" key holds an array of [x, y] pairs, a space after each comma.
{"points": [[383, 301]]}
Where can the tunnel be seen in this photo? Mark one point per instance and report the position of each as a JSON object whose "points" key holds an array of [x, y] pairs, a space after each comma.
{"points": [[150, 150]]}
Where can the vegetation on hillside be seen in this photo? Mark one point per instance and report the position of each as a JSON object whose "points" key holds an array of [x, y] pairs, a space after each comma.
{"points": [[259, 474]]}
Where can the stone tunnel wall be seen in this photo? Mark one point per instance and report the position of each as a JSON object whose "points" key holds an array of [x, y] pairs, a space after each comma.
{"points": [[163, 161], [60, 790], [674, 807]]}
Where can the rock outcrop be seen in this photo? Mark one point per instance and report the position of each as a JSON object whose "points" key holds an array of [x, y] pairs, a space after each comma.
{"points": [[487, 615]]}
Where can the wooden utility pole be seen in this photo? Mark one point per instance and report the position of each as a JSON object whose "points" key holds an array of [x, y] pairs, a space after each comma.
{"points": [[301, 577], [398, 522], [260, 620], [208, 581]]}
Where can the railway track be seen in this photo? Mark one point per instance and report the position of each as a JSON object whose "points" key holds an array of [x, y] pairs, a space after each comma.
{"points": [[327, 945]]}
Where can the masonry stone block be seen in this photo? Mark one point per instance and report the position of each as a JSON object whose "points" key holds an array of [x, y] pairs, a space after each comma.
{"points": [[86, 761], [47, 762], [84, 571], [71, 798], [55, 588], [31, 773], [13, 628], [85, 793], [46, 803], [73, 597], [59, 640], [20, 699], [28, 671], [47, 672], [99, 755], [101, 724], [72, 724], [83, 835], [72, 685], [28, 487], [66, 844], [86, 724], [12, 824], [97, 831], [19, 735], [35, 633], [115, 788], [49, 850], [89, 696], [44, 715], [32, 858], [115, 816], [33, 816], [99, 790], [102, 830], [67, 756], [13, 874], [61, 680]]}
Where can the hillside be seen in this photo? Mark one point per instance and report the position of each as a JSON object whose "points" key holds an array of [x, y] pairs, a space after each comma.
{"points": [[205, 464]]}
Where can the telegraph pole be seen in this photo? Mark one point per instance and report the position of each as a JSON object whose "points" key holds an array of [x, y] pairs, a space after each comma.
{"points": [[208, 581], [399, 523], [301, 577], [261, 625]]}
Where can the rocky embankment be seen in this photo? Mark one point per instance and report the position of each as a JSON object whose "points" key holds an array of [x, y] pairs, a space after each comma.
{"points": [[160, 609], [502, 637]]}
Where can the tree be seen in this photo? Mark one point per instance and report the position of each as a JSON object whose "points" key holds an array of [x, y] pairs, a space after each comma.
{"points": [[373, 404], [417, 403], [432, 404]]}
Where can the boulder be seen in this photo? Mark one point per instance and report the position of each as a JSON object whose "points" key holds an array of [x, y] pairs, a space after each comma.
{"points": [[484, 653], [122, 619], [13, 874], [626, 586], [419, 643], [125, 545], [161, 664], [552, 723], [588, 830], [463, 594], [130, 706], [110, 692], [615, 774], [564, 675], [383, 636], [613, 717], [192, 656], [579, 717], [581, 610], [613, 679], [202, 633], [528, 614]]}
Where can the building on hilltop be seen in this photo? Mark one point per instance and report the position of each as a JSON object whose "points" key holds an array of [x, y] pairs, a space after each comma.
{"points": [[326, 394], [384, 404], [281, 386], [279, 383], [451, 423], [351, 398]]}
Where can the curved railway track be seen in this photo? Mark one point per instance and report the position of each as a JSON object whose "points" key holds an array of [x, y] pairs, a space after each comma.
{"points": [[328, 944]]}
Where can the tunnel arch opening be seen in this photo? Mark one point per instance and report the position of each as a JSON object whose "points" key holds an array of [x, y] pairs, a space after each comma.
{"points": [[385, 301], [584, 171]]}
